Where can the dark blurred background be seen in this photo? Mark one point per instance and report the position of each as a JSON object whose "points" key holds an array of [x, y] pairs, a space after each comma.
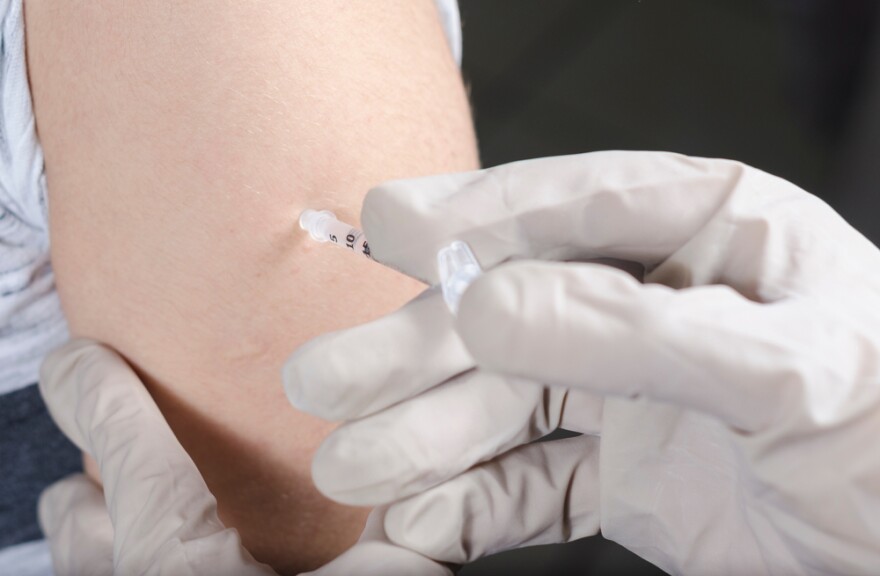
{"points": [[789, 86]]}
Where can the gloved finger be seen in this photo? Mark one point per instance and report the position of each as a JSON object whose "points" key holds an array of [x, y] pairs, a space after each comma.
{"points": [[595, 328], [638, 206], [164, 517], [375, 555], [538, 494], [430, 438], [76, 524], [355, 372]]}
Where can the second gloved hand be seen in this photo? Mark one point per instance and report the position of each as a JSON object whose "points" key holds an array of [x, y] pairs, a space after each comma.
{"points": [[731, 402], [155, 514]]}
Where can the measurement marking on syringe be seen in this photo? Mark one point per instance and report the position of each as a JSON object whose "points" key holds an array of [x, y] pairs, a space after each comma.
{"points": [[323, 226]]}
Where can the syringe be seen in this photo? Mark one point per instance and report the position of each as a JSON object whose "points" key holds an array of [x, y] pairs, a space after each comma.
{"points": [[457, 266], [323, 226]]}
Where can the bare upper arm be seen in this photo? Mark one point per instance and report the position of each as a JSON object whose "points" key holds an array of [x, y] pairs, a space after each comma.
{"points": [[182, 138]]}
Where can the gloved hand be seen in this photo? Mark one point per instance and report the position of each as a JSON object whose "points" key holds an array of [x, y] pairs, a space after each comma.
{"points": [[162, 519], [731, 402]]}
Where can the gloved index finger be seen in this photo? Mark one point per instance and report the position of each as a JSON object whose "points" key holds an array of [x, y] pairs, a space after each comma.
{"points": [[636, 206], [356, 372]]}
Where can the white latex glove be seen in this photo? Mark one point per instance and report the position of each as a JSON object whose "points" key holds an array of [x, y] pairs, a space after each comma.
{"points": [[155, 515], [733, 399]]}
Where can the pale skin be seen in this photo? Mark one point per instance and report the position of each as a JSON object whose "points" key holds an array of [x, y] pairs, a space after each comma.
{"points": [[182, 139]]}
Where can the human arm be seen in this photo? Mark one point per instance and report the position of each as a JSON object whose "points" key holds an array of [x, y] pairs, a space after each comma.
{"points": [[729, 402], [181, 141]]}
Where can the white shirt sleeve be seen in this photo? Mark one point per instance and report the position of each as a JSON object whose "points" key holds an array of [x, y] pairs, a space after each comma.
{"points": [[31, 321]]}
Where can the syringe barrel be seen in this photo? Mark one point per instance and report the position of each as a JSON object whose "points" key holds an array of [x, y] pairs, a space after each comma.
{"points": [[323, 226], [347, 236]]}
